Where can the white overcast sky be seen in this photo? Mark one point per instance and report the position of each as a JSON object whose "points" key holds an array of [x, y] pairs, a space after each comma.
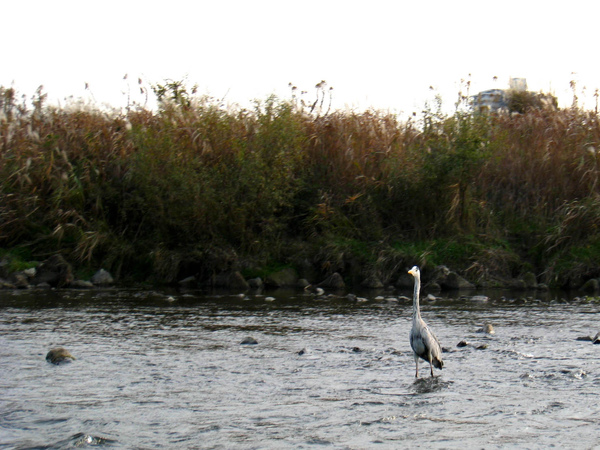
{"points": [[377, 53]]}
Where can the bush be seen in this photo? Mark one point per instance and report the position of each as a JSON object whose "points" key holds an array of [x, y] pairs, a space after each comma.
{"points": [[153, 191]]}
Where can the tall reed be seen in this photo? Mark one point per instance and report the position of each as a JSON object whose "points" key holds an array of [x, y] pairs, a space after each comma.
{"points": [[144, 191]]}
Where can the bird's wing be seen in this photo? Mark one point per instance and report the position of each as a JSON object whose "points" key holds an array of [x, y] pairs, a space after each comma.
{"points": [[431, 342]]}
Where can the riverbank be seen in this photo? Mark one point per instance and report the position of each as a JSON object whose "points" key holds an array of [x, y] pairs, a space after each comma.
{"points": [[198, 189], [56, 272]]}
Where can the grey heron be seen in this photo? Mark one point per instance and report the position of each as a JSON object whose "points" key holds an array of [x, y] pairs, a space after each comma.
{"points": [[422, 340]]}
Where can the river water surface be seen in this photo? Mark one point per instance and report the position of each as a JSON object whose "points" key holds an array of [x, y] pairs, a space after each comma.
{"points": [[168, 370]]}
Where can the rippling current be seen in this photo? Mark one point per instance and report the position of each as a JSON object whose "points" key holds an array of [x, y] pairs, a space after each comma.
{"points": [[158, 370]]}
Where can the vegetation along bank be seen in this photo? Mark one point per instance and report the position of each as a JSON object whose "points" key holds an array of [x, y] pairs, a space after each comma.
{"points": [[199, 189]]}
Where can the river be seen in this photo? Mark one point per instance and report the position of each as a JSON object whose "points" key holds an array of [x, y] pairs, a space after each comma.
{"points": [[168, 370]]}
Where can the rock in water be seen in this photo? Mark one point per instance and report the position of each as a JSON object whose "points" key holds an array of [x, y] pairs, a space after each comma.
{"points": [[230, 280], [59, 355], [255, 283], [282, 278], [335, 281], [372, 282], [591, 286], [102, 278], [455, 281], [55, 271], [530, 280], [488, 328]]}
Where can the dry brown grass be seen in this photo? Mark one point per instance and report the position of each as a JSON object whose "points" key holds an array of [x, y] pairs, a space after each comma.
{"points": [[127, 186]]}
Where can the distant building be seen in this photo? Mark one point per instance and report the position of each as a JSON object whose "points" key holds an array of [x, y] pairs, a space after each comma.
{"points": [[514, 99], [518, 84], [491, 100]]}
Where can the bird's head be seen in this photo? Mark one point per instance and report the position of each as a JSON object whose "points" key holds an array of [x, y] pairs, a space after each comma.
{"points": [[415, 272]]}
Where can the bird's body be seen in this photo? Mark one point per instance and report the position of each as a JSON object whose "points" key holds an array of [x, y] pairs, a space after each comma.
{"points": [[422, 340]]}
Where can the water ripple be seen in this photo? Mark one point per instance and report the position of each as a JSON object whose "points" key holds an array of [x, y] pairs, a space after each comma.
{"points": [[151, 373]]}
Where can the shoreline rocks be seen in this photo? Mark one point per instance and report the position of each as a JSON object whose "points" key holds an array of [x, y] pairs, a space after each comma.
{"points": [[56, 273], [282, 278]]}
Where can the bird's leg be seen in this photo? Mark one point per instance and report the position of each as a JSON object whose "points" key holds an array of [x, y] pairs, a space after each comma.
{"points": [[430, 366], [417, 371]]}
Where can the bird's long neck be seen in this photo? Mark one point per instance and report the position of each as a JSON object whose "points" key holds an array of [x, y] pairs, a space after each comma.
{"points": [[416, 308]]}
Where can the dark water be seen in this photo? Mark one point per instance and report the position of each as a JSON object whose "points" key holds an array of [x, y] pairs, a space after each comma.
{"points": [[159, 372]]}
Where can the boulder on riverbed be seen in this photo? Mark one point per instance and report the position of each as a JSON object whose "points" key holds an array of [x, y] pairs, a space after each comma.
{"points": [[488, 328], [334, 281], [405, 281], [464, 343], [55, 271], [59, 355], [102, 278], [188, 282], [455, 281], [591, 286], [593, 340], [230, 280], [448, 279], [19, 280], [282, 278], [255, 283], [372, 282], [529, 280], [81, 284]]}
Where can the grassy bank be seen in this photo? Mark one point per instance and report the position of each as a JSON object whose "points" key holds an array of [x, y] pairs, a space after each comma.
{"points": [[196, 188]]}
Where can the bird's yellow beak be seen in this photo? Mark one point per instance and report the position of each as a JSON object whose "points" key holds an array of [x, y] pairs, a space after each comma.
{"points": [[412, 271]]}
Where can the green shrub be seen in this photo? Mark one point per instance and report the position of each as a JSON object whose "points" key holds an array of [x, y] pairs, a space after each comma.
{"points": [[146, 191]]}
